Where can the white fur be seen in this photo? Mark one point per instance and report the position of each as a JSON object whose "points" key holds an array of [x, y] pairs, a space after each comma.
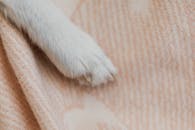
{"points": [[72, 51]]}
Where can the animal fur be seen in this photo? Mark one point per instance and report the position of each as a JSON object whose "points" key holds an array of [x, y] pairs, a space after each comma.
{"points": [[72, 51]]}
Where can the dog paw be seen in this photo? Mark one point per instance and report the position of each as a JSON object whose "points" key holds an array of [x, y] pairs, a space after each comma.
{"points": [[83, 60]]}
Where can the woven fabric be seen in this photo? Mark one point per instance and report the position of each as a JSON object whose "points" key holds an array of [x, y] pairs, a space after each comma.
{"points": [[150, 41]]}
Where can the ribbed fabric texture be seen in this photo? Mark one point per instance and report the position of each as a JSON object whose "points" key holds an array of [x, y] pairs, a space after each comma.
{"points": [[150, 41]]}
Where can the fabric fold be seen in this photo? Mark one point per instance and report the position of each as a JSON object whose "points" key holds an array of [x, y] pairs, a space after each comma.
{"points": [[151, 43]]}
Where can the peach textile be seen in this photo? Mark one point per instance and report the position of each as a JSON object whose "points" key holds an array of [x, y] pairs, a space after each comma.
{"points": [[152, 43]]}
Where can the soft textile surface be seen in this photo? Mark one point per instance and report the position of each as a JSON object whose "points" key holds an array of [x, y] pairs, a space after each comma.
{"points": [[150, 41]]}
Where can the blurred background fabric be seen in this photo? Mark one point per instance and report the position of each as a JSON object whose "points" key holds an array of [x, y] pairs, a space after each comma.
{"points": [[152, 43]]}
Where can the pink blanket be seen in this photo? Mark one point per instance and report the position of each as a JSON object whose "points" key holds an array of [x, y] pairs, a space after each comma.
{"points": [[150, 41]]}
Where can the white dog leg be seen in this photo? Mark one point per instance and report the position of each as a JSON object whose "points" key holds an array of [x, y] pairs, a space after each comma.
{"points": [[72, 51]]}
